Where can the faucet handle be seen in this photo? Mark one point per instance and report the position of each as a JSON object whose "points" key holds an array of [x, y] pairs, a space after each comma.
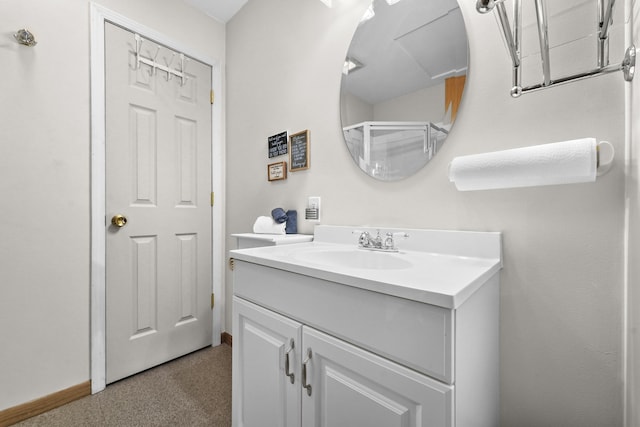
{"points": [[389, 241], [363, 237]]}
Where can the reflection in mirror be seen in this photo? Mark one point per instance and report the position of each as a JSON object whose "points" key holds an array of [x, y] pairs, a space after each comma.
{"points": [[402, 84]]}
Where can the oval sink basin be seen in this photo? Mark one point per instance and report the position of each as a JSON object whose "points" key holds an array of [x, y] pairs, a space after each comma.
{"points": [[355, 258]]}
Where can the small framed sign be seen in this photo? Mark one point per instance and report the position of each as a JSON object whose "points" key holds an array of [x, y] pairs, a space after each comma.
{"points": [[277, 171], [277, 144], [299, 151]]}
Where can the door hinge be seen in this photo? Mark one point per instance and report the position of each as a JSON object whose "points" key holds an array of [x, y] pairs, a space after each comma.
{"points": [[211, 96], [212, 198], [213, 301]]}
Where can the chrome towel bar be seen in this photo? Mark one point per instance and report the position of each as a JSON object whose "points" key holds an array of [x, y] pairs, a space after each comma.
{"points": [[513, 41]]}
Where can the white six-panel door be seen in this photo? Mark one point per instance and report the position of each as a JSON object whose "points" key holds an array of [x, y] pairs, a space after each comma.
{"points": [[158, 176]]}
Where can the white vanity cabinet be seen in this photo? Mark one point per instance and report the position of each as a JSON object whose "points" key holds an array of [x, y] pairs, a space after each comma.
{"points": [[264, 342], [341, 346], [323, 381], [354, 387]]}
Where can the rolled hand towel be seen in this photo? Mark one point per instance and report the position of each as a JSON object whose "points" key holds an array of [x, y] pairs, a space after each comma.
{"points": [[292, 222], [266, 225], [279, 215]]}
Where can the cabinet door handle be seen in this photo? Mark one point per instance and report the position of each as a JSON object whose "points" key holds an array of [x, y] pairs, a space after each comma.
{"points": [[304, 372], [287, 362]]}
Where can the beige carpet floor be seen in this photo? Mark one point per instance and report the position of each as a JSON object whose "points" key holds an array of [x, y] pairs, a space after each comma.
{"points": [[194, 390]]}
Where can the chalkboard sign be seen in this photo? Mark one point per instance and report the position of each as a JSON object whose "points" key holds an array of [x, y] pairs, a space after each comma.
{"points": [[278, 144], [299, 151]]}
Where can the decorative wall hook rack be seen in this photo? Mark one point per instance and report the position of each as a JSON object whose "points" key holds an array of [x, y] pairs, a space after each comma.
{"points": [[155, 66], [513, 39]]}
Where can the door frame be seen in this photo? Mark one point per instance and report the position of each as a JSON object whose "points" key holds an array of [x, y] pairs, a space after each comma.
{"points": [[99, 15]]}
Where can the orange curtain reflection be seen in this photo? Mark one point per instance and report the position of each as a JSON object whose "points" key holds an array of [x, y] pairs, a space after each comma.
{"points": [[453, 87]]}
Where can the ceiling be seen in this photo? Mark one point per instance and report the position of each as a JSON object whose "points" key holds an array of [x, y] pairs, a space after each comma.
{"points": [[406, 47], [222, 10]]}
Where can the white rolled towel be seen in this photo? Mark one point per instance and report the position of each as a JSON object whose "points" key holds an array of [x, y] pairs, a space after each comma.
{"points": [[564, 162], [266, 225]]}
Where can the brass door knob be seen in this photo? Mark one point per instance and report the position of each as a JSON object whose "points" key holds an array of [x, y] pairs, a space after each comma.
{"points": [[119, 220]]}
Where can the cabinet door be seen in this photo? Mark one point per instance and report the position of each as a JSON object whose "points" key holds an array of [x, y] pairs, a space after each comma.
{"points": [[353, 387], [263, 394]]}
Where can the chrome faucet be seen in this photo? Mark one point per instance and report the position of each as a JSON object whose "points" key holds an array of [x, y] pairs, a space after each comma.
{"points": [[378, 243]]}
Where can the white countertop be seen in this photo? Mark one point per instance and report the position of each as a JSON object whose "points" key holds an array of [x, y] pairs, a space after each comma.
{"points": [[442, 279], [276, 238]]}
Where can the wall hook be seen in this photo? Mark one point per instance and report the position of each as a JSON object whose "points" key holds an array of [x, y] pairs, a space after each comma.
{"points": [[168, 65], [25, 37], [154, 65], [183, 64], [138, 41]]}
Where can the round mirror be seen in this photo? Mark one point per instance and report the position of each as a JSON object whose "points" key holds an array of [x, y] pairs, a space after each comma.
{"points": [[402, 84]]}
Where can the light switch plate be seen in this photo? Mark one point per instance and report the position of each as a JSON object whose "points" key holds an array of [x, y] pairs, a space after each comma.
{"points": [[312, 212]]}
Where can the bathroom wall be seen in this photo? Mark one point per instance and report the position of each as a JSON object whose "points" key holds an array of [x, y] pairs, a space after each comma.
{"points": [[562, 282], [414, 106], [45, 181], [356, 110]]}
